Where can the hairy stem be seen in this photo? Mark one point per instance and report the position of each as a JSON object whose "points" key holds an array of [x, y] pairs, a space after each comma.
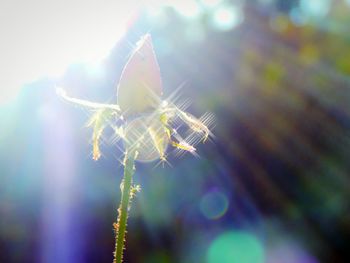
{"points": [[120, 227]]}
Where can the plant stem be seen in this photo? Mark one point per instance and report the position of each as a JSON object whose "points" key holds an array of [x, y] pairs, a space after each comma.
{"points": [[120, 227]]}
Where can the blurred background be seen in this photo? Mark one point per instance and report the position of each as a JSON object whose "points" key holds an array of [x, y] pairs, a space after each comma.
{"points": [[271, 187]]}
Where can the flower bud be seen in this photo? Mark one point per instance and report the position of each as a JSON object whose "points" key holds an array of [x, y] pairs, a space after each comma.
{"points": [[140, 87]]}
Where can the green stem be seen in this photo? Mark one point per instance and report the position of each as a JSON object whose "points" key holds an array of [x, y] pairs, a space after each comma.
{"points": [[120, 227]]}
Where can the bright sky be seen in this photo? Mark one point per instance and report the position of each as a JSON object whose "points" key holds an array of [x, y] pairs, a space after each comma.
{"points": [[42, 37]]}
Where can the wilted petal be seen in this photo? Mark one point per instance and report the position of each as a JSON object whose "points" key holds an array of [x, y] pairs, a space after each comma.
{"points": [[170, 132], [193, 123], [159, 137], [182, 145], [86, 104], [146, 136], [98, 122], [104, 114]]}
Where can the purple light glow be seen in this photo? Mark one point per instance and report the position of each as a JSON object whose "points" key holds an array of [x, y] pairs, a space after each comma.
{"points": [[59, 244], [288, 253]]}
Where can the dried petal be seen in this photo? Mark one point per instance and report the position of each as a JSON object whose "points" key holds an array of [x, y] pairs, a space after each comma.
{"points": [[160, 139], [147, 136], [86, 104], [192, 122], [183, 146], [170, 132], [104, 114], [98, 122]]}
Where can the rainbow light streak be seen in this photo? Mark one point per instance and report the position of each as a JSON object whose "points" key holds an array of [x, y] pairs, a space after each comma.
{"points": [[59, 244]]}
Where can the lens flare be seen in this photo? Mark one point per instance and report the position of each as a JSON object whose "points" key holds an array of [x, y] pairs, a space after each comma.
{"points": [[316, 8], [235, 247], [227, 17], [214, 204]]}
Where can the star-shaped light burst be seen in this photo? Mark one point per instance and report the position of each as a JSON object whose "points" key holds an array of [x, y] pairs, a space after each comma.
{"points": [[147, 122]]}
